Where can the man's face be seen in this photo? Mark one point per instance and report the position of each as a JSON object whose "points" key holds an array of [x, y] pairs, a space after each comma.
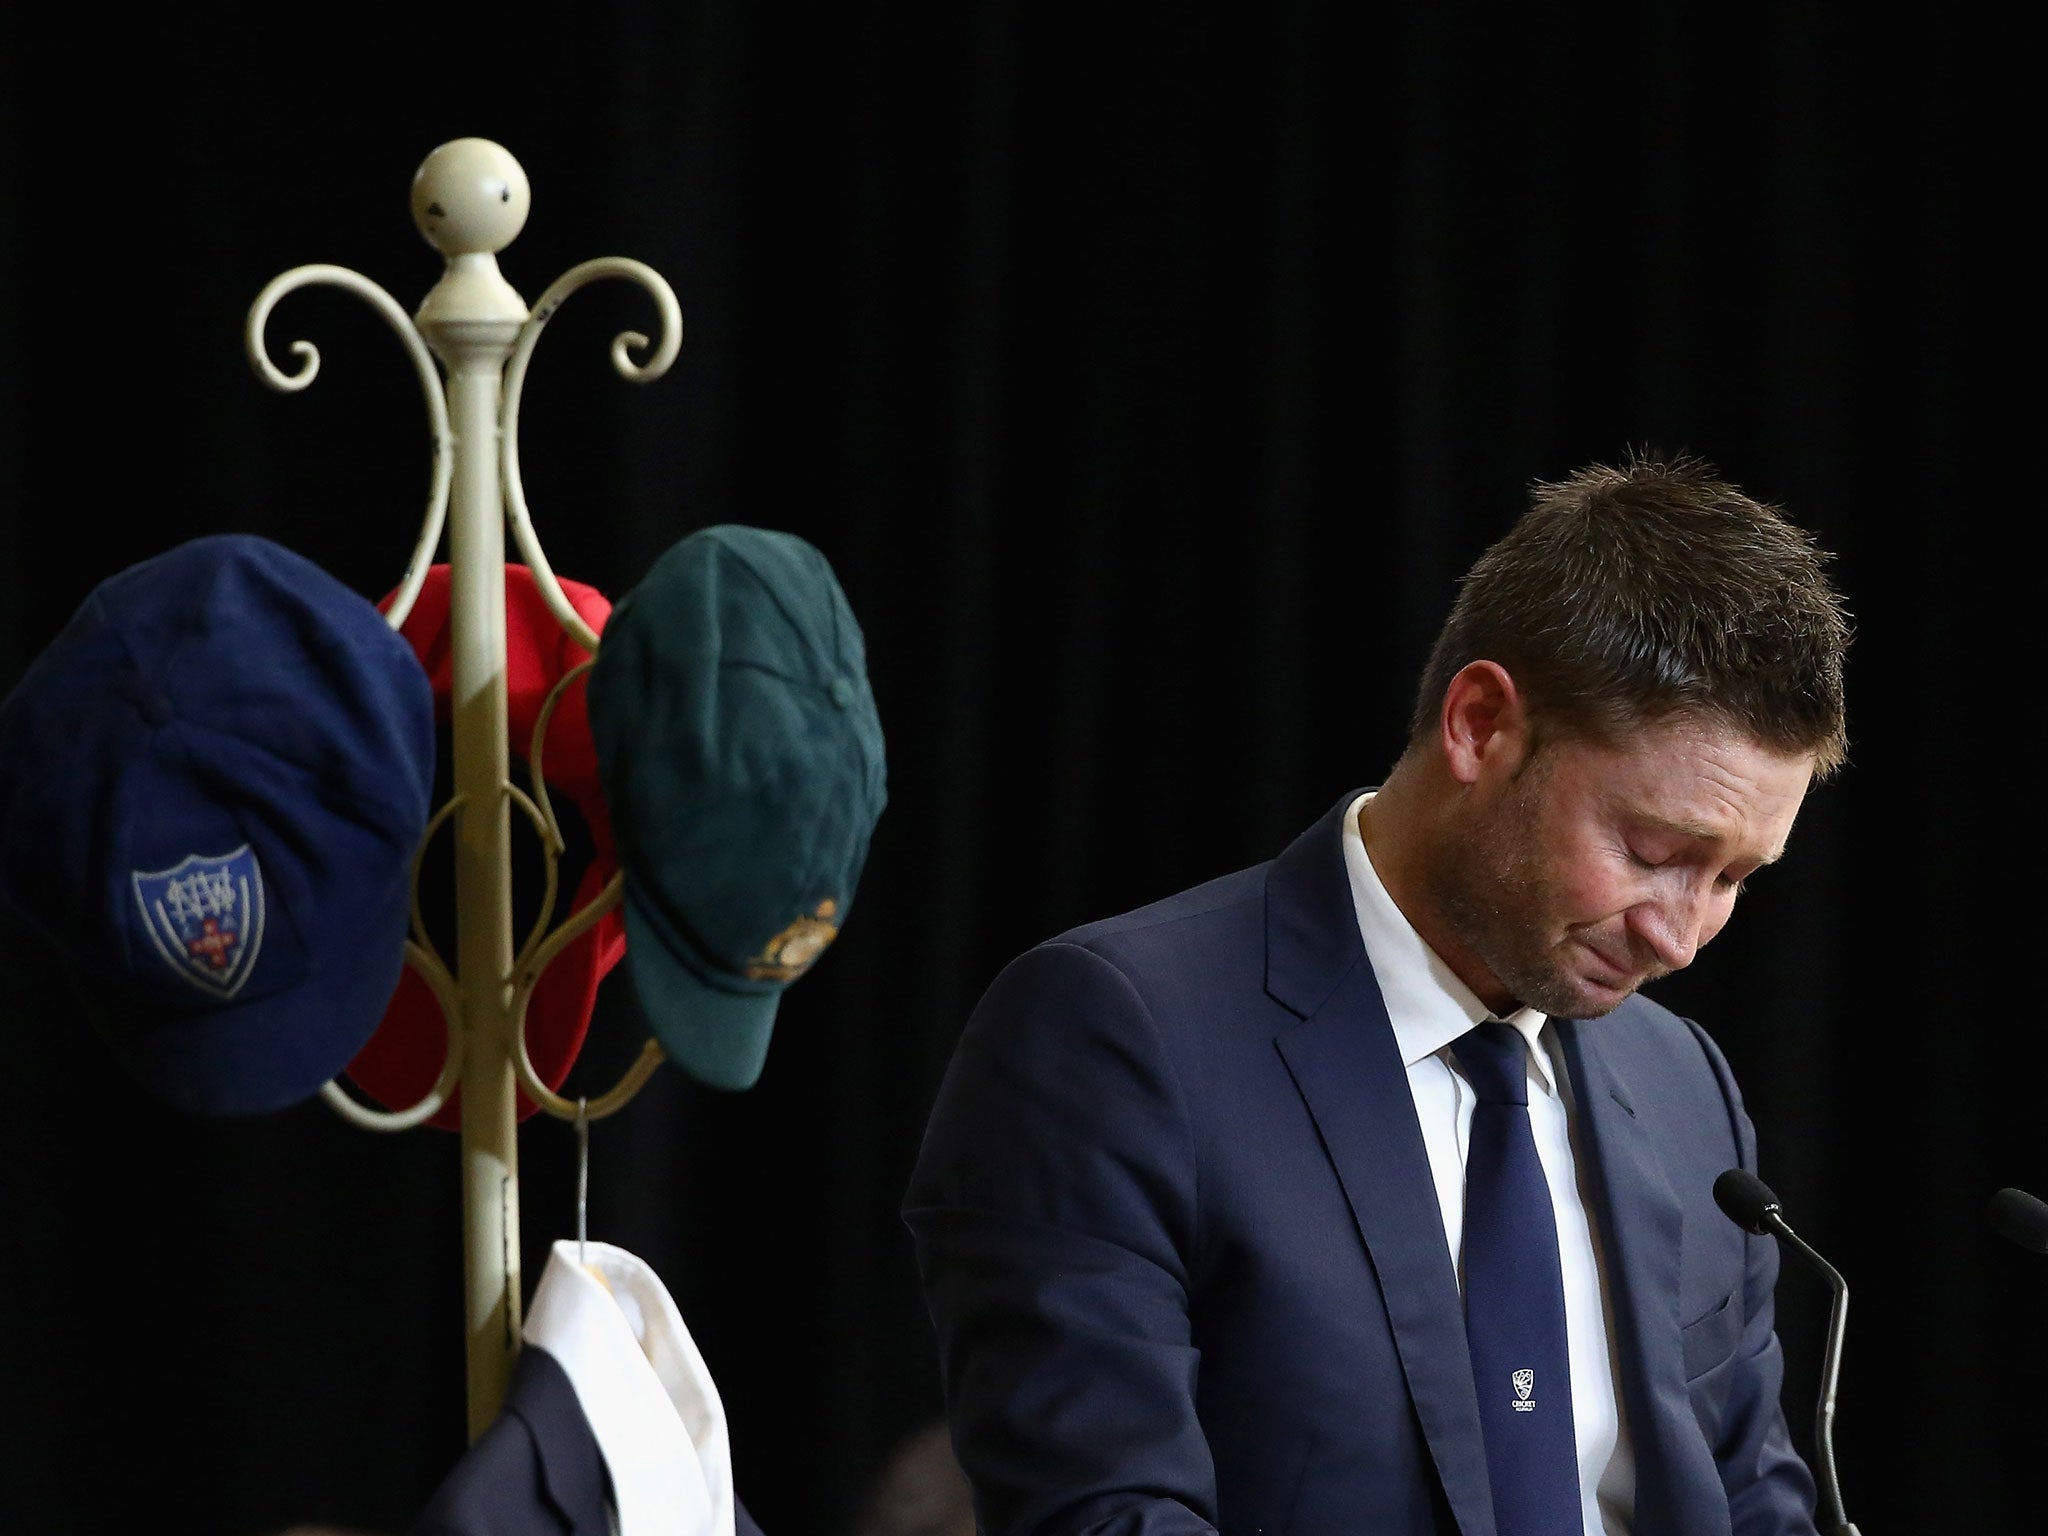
{"points": [[1594, 867]]}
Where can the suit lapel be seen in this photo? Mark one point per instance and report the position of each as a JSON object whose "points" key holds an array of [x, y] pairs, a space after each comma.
{"points": [[572, 1466], [1349, 1072], [1640, 1224]]}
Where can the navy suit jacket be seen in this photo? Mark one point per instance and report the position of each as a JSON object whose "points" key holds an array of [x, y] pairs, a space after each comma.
{"points": [[536, 1471], [1180, 1242]]}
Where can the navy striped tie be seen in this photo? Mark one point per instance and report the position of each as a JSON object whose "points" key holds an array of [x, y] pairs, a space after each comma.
{"points": [[1514, 1298]]}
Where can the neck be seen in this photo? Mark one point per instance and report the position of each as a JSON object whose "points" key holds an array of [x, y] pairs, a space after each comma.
{"points": [[1406, 828]]}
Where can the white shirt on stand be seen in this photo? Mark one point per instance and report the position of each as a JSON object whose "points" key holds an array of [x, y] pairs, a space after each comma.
{"points": [[1429, 1008], [650, 1402]]}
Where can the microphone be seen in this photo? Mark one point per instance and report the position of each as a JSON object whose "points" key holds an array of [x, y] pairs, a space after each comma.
{"points": [[1748, 1201], [2018, 1217]]}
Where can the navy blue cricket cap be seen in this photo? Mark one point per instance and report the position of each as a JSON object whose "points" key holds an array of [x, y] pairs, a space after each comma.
{"points": [[211, 786], [741, 760]]}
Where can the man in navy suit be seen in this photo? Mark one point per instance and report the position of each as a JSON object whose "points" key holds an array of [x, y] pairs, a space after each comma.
{"points": [[1194, 1212]]}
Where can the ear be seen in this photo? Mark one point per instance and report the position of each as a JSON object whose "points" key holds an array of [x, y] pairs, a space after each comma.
{"points": [[1484, 725]]}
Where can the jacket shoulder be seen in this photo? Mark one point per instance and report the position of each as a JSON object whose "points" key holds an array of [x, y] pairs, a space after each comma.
{"points": [[1171, 925]]}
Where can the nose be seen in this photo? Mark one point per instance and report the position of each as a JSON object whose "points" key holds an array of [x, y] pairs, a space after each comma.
{"points": [[1673, 927]]}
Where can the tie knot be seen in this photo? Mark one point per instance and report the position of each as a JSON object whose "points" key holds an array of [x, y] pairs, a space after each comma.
{"points": [[1495, 1062]]}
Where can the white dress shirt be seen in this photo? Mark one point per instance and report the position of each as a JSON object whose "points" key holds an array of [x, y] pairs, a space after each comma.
{"points": [[1430, 1007], [643, 1387]]}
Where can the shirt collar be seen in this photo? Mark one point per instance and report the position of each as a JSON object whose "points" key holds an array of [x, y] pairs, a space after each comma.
{"points": [[1427, 1004], [650, 1401]]}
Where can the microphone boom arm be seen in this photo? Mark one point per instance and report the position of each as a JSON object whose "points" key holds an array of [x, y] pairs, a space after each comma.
{"points": [[1835, 1520]]}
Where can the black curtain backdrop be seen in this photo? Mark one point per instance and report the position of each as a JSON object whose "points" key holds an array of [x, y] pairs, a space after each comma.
{"points": [[1148, 374]]}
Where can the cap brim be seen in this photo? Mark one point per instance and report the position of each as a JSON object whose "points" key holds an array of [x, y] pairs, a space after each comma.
{"points": [[719, 1037]]}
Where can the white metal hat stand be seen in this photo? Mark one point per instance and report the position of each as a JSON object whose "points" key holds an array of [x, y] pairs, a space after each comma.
{"points": [[470, 199]]}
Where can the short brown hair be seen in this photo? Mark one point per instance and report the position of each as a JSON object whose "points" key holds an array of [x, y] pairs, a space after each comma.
{"points": [[1623, 596]]}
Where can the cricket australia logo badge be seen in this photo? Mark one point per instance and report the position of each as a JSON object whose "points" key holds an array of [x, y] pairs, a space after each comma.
{"points": [[206, 918], [1525, 1388]]}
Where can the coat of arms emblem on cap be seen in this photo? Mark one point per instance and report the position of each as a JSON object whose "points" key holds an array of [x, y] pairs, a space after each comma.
{"points": [[791, 952], [205, 916]]}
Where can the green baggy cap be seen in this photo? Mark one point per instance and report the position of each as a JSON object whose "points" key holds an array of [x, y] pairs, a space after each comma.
{"points": [[742, 764]]}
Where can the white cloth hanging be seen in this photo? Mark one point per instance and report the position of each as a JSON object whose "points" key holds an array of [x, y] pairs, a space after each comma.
{"points": [[644, 1388]]}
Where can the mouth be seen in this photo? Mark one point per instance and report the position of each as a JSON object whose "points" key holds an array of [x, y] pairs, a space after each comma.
{"points": [[1610, 974]]}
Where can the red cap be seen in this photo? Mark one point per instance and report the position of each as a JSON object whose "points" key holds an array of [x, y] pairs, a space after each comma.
{"points": [[405, 1056]]}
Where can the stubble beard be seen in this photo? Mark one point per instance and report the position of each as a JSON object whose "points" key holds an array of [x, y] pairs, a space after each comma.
{"points": [[1490, 886]]}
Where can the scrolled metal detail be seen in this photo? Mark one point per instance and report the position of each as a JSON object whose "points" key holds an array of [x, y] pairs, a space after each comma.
{"points": [[626, 342], [527, 975], [442, 985], [552, 829], [526, 971], [428, 963], [324, 275], [551, 847], [418, 923], [542, 946], [623, 346]]}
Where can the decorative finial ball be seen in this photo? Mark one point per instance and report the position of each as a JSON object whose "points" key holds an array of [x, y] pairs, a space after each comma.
{"points": [[470, 196]]}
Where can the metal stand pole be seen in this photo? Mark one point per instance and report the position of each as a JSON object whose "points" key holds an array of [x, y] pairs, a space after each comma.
{"points": [[470, 200]]}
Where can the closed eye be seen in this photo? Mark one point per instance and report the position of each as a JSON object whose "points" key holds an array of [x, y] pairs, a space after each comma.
{"points": [[1724, 881]]}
